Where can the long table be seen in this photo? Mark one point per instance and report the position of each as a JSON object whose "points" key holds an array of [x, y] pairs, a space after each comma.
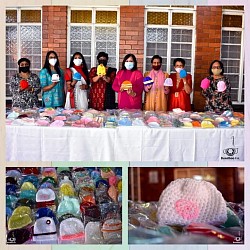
{"points": [[34, 143]]}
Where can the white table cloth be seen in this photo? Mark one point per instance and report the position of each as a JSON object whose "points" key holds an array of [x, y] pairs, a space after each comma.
{"points": [[33, 143]]}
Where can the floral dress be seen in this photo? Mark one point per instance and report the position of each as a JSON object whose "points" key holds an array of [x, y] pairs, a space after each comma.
{"points": [[217, 101], [25, 99]]}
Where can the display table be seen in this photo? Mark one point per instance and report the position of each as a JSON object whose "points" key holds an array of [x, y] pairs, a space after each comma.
{"points": [[34, 143]]}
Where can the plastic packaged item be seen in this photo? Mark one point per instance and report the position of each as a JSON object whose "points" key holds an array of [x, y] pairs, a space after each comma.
{"points": [[45, 197], [11, 180], [18, 221], [86, 194], [45, 231], [46, 212], [69, 205], [49, 172], [66, 189], [109, 210], [28, 186], [11, 189], [112, 230], [31, 178], [22, 210], [93, 234], [11, 201], [28, 194], [71, 231], [66, 180], [26, 202], [107, 172], [113, 193], [30, 170], [49, 179]]}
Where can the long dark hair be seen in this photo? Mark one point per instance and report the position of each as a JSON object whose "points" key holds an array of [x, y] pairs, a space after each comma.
{"points": [[221, 66], [47, 65], [134, 59], [84, 65]]}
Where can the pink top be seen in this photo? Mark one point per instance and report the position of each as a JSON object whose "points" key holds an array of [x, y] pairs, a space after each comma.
{"points": [[125, 101]]}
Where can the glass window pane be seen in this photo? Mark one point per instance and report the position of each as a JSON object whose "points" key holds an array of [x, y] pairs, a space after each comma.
{"points": [[234, 95], [11, 40], [157, 18], [80, 33], [232, 21], [106, 17], [106, 33], [81, 16], [231, 66], [157, 35], [11, 16], [182, 19], [230, 51], [181, 35], [233, 37], [30, 16]]}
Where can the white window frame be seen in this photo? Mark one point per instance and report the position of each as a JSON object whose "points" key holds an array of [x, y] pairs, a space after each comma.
{"points": [[237, 13], [18, 24], [170, 10], [93, 25]]}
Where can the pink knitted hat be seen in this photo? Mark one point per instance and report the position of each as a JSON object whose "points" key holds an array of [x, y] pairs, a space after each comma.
{"points": [[205, 83], [185, 201], [221, 86]]}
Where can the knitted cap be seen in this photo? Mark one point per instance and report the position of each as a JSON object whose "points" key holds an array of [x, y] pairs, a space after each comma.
{"points": [[148, 80], [55, 78], [221, 86], [187, 200]]}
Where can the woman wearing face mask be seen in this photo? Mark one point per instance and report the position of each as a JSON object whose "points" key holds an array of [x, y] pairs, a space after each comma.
{"points": [[129, 95], [101, 94], [179, 93], [216, 89], [52, 81], [24, 86], [77, 81], [156, 95]]}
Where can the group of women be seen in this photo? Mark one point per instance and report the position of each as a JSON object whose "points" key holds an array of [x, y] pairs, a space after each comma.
{"points": [[76, 87]]}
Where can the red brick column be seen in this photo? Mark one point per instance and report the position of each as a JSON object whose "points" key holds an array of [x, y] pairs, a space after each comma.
{"points": [[54, 31], [132, 33], [208, 45]]}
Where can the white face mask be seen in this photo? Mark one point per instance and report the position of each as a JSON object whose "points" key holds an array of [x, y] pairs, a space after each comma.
{"points": [[178, 70], [129, 65], [52, 61], [77, 61]]}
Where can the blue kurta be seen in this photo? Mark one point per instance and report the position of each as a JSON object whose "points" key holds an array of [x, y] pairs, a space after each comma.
{"points": [[55, 96]]}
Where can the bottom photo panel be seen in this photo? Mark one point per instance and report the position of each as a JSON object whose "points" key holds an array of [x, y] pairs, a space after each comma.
{"points": [[64, 205], [186, 205]]}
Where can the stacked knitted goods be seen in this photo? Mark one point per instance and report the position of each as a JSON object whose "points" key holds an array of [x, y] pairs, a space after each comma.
{"points": [[188, 211], [112, 118], [64, 205]]}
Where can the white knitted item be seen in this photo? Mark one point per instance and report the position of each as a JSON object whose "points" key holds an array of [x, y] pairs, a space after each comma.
{"points": [[186, 200]]}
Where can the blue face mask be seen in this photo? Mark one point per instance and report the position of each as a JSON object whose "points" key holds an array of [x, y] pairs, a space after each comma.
{"points": [[129, 65]]}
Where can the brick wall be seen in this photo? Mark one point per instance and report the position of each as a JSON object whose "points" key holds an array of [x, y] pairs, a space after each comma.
{"points": [[54, 32], [208, 44], [132, 33]]}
